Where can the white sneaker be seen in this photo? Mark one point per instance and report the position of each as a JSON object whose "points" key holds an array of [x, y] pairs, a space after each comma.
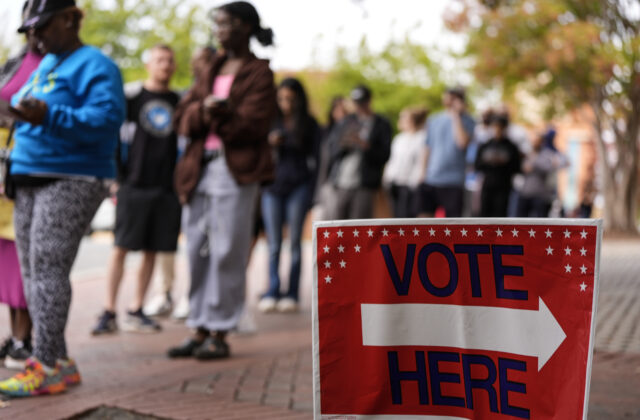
{"points": [[247, 324], [182, 309], [267, 304], [158, 305], [287, 305]]}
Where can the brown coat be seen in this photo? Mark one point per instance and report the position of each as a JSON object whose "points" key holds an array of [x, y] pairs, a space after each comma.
{"points": [[243, 126]]}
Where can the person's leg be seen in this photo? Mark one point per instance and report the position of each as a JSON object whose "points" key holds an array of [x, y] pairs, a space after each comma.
{"points": [[451, 198], [501, 202], [62, 212], [114, 277], [485, 202], [167, 261], [428, 200], [273, 216], [22, 325], [362, 202], [144, 278], [297, 204]]}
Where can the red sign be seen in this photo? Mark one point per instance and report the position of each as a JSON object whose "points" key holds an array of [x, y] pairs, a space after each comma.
{"points": [[454, 318]]}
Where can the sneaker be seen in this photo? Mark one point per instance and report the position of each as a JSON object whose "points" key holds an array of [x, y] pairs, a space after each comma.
{"points": [[106, 324], [267, 304], [181, 310], [159, 305], [34, 380], [18, 355], [212, 348], [137, 321], [287, 305], [186, 349], [69, 371], [5, 346]]}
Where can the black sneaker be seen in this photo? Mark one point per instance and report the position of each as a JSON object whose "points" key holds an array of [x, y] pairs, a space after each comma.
{"points": [[18, 355], [186, 349], [4, 348], [212, 348], [138, 322], [106, 324]]}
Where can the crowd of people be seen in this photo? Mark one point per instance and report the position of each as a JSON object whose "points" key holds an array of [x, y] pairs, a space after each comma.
{"points": [[233, 151]]}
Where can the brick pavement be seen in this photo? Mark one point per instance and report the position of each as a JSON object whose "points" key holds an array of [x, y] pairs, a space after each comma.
{"points": [[270, 373]]}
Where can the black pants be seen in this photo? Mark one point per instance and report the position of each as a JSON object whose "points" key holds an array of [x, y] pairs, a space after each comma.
{"points": [[533, 207], [494, 202], [403, 201]]}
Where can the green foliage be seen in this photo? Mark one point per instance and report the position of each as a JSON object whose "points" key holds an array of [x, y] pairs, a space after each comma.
{"points": [[401, 75], [124, 29]]}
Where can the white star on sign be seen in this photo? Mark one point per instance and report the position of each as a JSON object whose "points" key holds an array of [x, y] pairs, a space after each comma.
{"points": [[583, 252], [357, 248], [514, 232], [327, 279], [549, 250], [343, 264], [340, 248], [548, 233], [447, 232], [583, 269], [416, 232], [401, 232], [326, 249], [340, 234], [499, 232], [463, 232], [326, 234], [567, 251], [385, 232], [432, 232], [532, 233], [583, 234], [479, 232], [567, 234], [356, 233], [583, 287], [370, 233], [567, 268], [327, 264]]}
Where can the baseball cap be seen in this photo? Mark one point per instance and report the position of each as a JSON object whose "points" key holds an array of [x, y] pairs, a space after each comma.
{"points": [[361, 94], [39, 12]]}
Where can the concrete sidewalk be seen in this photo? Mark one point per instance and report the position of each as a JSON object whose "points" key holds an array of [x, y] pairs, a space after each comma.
{"points": [[270, 373]]}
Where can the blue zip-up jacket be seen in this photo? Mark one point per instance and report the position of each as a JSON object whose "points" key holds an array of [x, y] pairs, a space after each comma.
{"points": [[79, 134]]}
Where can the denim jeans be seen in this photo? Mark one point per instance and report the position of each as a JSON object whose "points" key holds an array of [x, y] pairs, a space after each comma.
{"points": [[276, 211]]}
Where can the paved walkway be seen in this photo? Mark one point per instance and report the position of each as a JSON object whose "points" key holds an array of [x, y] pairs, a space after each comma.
{"points": [[269, 376]]}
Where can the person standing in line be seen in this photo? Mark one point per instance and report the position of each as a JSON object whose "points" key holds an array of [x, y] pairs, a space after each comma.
{"points": [[403, 172], [227, 116], [448, 134], [16, 349], [72, 106], [147, 209], [359, 148], [498, 160], [337, 112], [161, 304], [295, 138]]}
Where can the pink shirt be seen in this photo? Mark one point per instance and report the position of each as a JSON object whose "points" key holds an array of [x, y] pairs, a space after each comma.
{"points": [[29, 63], [221, 88]]}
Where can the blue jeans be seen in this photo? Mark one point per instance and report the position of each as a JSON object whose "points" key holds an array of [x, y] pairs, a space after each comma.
{"points": [[276, 210]]}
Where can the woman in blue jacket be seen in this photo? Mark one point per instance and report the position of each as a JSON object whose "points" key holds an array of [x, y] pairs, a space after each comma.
{"points": [[71, 110]]}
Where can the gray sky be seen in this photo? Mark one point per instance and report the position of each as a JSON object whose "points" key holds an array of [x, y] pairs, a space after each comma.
{"points": [[308, 32]]}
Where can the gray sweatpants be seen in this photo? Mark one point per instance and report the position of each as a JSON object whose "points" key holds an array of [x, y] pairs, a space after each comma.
{"points": [[218, 225], [50, 222]]}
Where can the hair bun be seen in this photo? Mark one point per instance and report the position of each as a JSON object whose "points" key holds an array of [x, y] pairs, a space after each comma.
{"points": [[265, 36]]}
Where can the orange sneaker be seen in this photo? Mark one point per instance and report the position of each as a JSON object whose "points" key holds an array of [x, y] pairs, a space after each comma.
{"points": [[34, 380], [69, 371]]}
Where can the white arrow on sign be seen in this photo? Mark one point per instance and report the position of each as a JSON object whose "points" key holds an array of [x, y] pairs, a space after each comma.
{"points": [[517, 331]]}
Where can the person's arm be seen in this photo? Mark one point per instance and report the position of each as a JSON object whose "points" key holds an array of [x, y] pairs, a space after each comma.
{"points": [[462, 133], [102, 111], [250, 119], [379, 148], [480, 164]]}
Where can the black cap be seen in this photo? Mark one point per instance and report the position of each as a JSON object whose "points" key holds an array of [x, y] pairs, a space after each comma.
{"points": [[361, 94], [38, 12]]}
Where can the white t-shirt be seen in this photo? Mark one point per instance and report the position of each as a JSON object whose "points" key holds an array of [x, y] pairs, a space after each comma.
{"points": [[405, 164]]}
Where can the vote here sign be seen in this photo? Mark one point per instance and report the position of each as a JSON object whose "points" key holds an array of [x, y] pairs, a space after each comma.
{"points": [[454, 318]]}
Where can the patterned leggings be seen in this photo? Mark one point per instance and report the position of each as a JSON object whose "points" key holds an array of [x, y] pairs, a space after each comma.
{"points": [[50, 222]]}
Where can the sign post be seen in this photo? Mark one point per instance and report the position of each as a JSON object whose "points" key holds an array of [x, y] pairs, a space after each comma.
{"points": [[454, 318]]}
